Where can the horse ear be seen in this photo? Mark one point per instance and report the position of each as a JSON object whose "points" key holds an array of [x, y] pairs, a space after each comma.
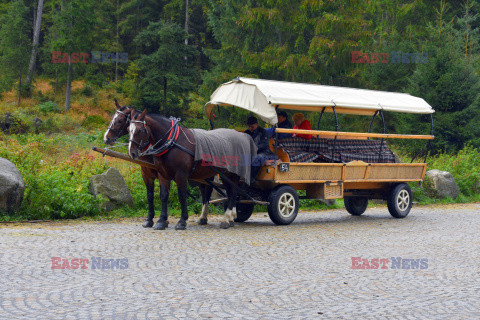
{"points": [[132, 113], [142, 116], [117, 104]]}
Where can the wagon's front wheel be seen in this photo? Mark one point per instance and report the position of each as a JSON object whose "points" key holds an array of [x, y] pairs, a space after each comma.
{"points": [[356, 206], [244, 211], [399, 200], [284, 204]]}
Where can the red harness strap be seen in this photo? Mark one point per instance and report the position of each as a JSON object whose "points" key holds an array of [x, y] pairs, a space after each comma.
{"points": [[169, 136]]}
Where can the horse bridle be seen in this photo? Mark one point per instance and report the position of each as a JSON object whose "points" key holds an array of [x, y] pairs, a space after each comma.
{"points": [[127, 123], [148, 149], [142, 146]]}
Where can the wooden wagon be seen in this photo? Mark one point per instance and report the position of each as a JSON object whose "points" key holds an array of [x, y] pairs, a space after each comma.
{"points": [[331, 176]]}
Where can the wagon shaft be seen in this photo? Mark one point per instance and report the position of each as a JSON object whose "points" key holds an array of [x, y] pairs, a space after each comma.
{"points": [[122, 156]]}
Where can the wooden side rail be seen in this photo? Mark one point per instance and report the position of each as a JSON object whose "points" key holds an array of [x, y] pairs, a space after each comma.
{"points": [[123, 157], [357, 134]]}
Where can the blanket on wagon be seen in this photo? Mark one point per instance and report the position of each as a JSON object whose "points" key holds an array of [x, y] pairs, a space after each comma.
{"points": [[225, 148], [341, 150]]}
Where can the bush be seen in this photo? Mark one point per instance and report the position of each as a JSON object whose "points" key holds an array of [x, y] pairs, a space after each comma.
{"points": [[49, 107], [87, 90], [93, 122], [464, 166], [12, 124]]}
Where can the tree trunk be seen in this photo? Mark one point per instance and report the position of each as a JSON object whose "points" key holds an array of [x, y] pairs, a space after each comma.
{"points": [[56, 82], [164, 93], [19, 89], [69, 86], [186, 22], [117, 37], [36, 36]]}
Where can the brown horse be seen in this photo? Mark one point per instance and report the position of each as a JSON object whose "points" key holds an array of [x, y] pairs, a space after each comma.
{"points": [[173, 148], [119, 127]]}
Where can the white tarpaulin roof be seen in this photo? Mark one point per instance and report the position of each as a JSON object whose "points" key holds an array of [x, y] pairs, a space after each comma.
{"points": [[262, 96]]}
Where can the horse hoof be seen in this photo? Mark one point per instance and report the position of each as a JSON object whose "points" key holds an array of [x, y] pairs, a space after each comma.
{"points": [[224, 225], [162, 225], [202, 222], [148, 224], [232, 224], [181, 226]]}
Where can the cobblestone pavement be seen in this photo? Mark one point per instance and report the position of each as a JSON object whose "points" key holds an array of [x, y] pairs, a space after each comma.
{"points": [[253, 271]]}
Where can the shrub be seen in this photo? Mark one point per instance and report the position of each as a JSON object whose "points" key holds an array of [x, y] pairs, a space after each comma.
{"points": [[87, 90], [12, 124], [464, 166], [49, 107], [93, 122]]}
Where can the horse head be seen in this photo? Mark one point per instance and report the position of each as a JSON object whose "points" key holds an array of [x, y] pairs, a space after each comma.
{"points": [[118, 125], [138, 134]]}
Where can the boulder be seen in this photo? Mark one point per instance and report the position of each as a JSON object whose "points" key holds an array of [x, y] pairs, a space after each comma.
{"points": [[440, 184], [12, 187], [112, 186]]}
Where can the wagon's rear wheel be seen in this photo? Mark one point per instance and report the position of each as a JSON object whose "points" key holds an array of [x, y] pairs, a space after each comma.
{"points": [[284, 204], [399, 200], [355, 205]]}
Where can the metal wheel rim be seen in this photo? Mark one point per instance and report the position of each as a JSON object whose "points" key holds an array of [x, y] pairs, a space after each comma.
{"points": [[403, 200], [286, 205]]}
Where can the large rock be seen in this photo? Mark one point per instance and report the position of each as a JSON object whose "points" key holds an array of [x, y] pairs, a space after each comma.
{"points": [[112, 186], [440, 184], [12, 187]]}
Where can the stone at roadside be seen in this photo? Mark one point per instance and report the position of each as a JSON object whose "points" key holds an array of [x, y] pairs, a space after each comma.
{"points": [[440, 184], [112, 186], [12, 187]]}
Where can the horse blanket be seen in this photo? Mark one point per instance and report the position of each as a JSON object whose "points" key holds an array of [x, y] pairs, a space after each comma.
{"points": [[227, 149]]}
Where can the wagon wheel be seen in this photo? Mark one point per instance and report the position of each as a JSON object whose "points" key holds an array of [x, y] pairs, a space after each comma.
{"points": [[244, 210], [284, 204], [399, 200], [356, 206]]}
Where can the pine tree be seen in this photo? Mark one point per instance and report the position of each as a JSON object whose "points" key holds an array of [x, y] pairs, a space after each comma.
{"points": [[14, 46], [166, 69]]}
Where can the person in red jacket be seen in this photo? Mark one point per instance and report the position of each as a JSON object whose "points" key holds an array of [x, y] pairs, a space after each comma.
{"points": [[301, 123]]}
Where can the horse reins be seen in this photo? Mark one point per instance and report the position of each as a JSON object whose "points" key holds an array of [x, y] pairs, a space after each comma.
{"points": [[171, 141]]}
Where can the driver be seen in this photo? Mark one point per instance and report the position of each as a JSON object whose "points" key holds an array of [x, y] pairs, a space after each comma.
{"points": [[260, 137]]}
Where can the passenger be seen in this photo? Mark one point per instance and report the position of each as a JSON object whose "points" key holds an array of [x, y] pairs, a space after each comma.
{"points": [[282, 123], [301, 123], [259, 136]]}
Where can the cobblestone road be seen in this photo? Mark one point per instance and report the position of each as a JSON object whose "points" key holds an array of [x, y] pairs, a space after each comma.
{"points": [[253, 271]]}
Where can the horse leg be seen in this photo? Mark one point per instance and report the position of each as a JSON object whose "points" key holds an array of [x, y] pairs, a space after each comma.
{"points": [[162, 222], [231, 200], [150, 185], [206, 191], [181, 180]]}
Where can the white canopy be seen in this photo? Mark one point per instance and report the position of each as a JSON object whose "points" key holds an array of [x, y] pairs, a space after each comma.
{"points": [[262, 96]]}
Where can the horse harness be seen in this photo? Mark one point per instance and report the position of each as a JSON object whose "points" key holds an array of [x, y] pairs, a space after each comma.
{"points": [[171, 142]]}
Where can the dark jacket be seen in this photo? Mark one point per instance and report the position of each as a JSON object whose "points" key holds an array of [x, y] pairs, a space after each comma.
{"points": [[260, 138], [285, 125]]}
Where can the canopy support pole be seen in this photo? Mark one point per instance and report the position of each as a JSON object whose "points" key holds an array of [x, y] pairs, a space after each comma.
{"points": [[371, 122], [429, 141], [276, 133], [336, 129], [320, 118], [381, 141]]}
